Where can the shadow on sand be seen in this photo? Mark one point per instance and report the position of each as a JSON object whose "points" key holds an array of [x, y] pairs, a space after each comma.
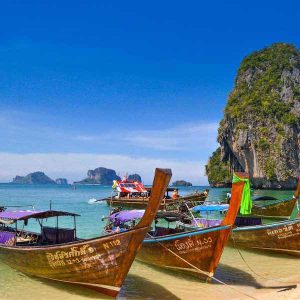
{"points": [[227, 274], [234, 276], [134, 287]]}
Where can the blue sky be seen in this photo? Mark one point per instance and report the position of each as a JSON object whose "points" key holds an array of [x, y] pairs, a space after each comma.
{"points": [[124, 84]]}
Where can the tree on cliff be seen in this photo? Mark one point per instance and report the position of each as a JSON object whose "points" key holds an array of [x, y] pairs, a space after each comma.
{"points": [[217, 171], [259, 133]]}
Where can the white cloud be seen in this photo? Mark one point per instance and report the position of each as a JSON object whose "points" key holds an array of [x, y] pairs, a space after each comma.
{"points": [[190, 143], [74, 166], [177, 138], [183, 137], [18, 126]]}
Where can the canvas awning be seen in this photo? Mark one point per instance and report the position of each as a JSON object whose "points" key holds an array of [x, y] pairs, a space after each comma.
{"points": [[211, 207], [127, 215], [29, 214]]}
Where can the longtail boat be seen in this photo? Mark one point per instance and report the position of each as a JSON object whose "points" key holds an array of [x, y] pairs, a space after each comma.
{"points": [[281, 237], [278, 210], [56, 253], [281, 209], [195, 251], [133, 194]]}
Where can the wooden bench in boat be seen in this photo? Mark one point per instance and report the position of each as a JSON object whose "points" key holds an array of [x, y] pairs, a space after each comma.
{"points": [[58, 235], [7, 237]]}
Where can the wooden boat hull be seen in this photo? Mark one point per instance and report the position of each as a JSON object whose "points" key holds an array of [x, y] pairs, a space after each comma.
{"points": [[200, 248], [281, 237], [282, 209], [100, 264], [194, 199]]}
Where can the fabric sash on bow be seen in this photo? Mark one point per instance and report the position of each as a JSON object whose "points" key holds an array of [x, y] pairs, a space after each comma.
{"points": [[246, 203]]}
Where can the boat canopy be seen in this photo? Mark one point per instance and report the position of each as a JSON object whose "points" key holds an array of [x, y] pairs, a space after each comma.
{"points": [[29, 214], [211, 207], [129, 215], [128, 187]]}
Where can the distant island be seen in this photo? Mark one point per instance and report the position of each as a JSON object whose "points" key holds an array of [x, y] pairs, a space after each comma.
{"points": [[62, 181], [38, 178], [134, 177], [181, 183], [104, 176], [33, 178], [259, 133]]}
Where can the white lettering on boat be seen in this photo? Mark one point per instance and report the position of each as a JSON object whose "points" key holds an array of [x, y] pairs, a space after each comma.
{"points": [[190, 245], [84, 255], [285, 232]]}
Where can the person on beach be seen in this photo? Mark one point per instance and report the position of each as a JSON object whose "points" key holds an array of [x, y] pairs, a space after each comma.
{"points": [[175, 194], [228, 197]]}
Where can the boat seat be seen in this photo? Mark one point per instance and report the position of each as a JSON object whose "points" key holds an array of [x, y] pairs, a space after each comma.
{"points": [[53, 235], [7, 237], [159, 231], [247, 221]]}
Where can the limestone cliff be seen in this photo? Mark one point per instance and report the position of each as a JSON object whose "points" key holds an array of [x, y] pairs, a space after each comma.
{"points": [[101, 176], [134, 177], [62, 181], [181, 183], [260, 130]]}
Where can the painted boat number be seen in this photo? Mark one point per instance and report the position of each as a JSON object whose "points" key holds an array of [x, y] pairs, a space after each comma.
{"points": [[190, 245], [111, 244]]}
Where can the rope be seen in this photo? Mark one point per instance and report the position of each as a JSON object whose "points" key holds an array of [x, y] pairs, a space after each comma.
{"points": [[190, 211], [203, 272], [251, 269]]}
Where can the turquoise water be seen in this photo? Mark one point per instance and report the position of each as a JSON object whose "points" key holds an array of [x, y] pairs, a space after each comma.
{"points": [[143, 281], [65, 198]]}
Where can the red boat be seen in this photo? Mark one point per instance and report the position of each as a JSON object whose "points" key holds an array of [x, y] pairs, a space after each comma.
{"points": [[134, 194]]}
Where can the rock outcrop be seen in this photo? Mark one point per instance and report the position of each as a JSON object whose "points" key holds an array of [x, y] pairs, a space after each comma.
{"points": [[181, 183], [260, 131], [101, 176], [62, 181], [33, 178], [134, 177]]}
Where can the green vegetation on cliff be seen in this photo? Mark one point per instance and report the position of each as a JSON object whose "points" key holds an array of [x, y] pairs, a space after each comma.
{"points": [[258, 87], [217, 171]]}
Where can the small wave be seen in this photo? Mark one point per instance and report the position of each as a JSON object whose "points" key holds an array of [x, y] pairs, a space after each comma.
{"points": [[92, 201]]}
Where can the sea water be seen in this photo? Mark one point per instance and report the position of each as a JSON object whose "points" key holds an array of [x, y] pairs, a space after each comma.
{"points": [[243, 273]]}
